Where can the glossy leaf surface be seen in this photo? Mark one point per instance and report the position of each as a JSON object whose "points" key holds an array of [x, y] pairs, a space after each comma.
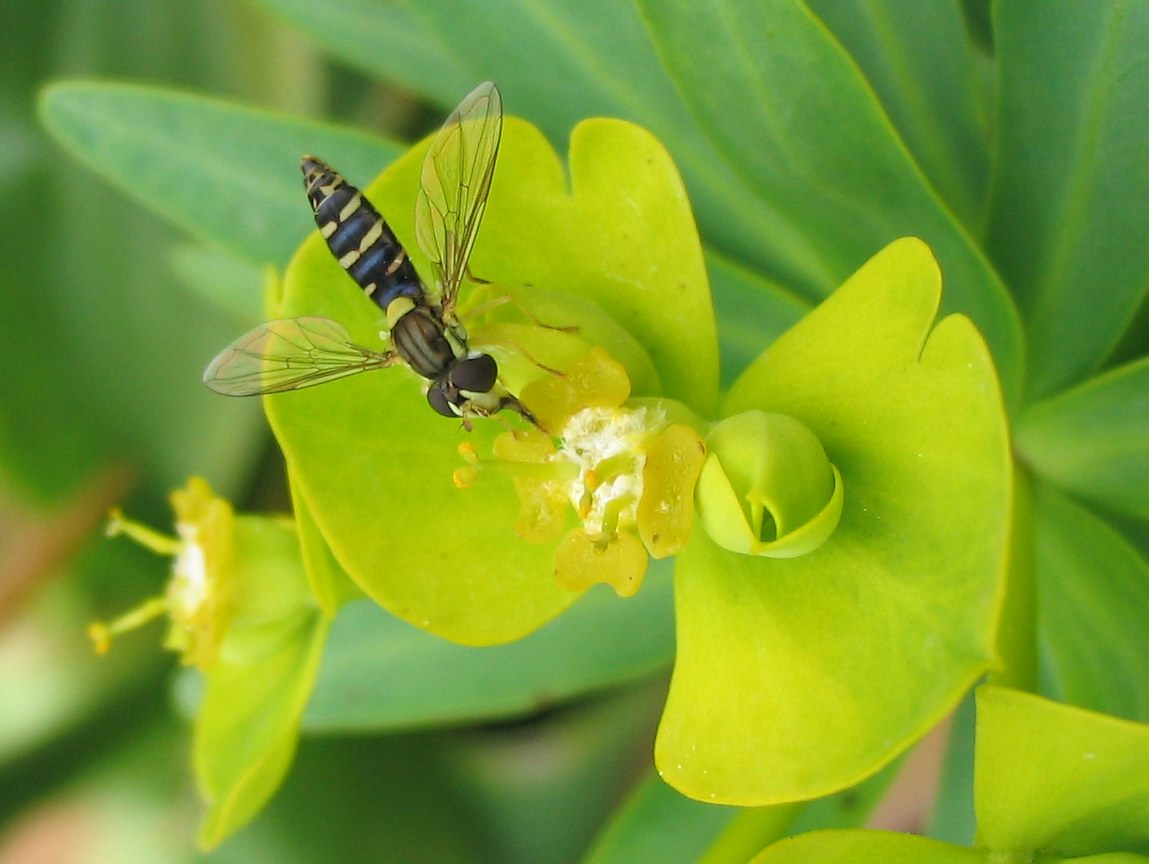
{"points": [[1058, 778], [904, 592], [1093, 591], [1068, 219], [1093, 440]]}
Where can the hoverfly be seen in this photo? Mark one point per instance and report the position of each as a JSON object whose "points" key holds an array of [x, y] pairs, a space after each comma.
{"points": [[425, 333]]}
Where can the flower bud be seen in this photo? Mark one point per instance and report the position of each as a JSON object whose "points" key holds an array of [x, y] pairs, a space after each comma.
{"points": [[767, 487]]}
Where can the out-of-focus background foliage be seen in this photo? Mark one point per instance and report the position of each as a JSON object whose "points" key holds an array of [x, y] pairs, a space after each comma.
{"points": [[1012, 142]]}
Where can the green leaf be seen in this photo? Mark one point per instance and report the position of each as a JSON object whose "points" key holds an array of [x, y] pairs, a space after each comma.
{"points": [[866, 847], [1093, 440], [547, 808], [48, 448], [226, 281], [1058, 778], [98, 371], [621, 233], [624, 239], [329, 583], [383, 38], [752, 312], [381, 673], [248, 726], [226, 173], [658, 824], [788, 109], [1017, 626], [817, 670], [607, 65], [924, 68], [248, 723], [1068, 219], [1093, 590]]}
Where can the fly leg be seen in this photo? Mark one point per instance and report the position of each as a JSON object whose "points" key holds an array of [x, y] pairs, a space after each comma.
{"points": [[503, 300]]}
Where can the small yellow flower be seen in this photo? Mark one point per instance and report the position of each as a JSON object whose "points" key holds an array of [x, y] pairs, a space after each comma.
{"points": [[625, 472], [197, 600]]}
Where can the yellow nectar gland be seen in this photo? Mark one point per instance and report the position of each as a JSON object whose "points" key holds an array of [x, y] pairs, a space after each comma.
{"points": [[597, 467], [607, 446]]}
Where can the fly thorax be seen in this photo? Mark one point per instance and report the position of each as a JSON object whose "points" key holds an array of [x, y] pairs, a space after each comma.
{"points": [[420, 338]]}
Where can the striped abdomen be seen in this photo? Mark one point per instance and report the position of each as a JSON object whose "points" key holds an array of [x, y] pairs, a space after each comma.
{"points": [[358, 236]]}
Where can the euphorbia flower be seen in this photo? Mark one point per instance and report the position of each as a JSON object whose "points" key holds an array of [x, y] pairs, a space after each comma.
{"points": [[198, 601], [618, 266], [892, 501], [832, 661], [241, 611], [626, 472]]}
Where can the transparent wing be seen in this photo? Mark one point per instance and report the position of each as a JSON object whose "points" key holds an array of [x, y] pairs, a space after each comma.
{"points": [[290, 354], [456, 179]]}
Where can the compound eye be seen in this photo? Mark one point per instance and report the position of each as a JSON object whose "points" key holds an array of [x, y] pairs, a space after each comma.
{"points": [[475, 374], [437, 397]]}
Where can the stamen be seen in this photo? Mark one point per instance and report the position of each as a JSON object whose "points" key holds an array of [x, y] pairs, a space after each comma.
{"points": [[101, 634], [161, 544], [586, 502], [610, 517], [542, 472], [614, 466]]}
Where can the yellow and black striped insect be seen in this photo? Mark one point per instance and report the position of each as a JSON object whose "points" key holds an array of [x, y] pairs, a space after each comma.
{"points": [[425, 333]]}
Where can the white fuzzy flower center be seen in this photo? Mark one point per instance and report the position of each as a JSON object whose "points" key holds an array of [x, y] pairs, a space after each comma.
{"points": [[607, 445], [188, 589]]}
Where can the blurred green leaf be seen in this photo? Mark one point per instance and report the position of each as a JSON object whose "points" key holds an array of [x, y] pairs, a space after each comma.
{"points": [[752, 312], [545, 784], [89, 308], [366, 800], [1068, 219], [224, 280], [259, 675], [867, 847], [561, 61], [1093, 440], [381, 673], [248, 728], [384, 38], [979, 22], [659, 824], [817, 670], [789, 110], [1058, 778], [47, 446], [1093, 590], [226, 173], [924, 68], [124, 800]]}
